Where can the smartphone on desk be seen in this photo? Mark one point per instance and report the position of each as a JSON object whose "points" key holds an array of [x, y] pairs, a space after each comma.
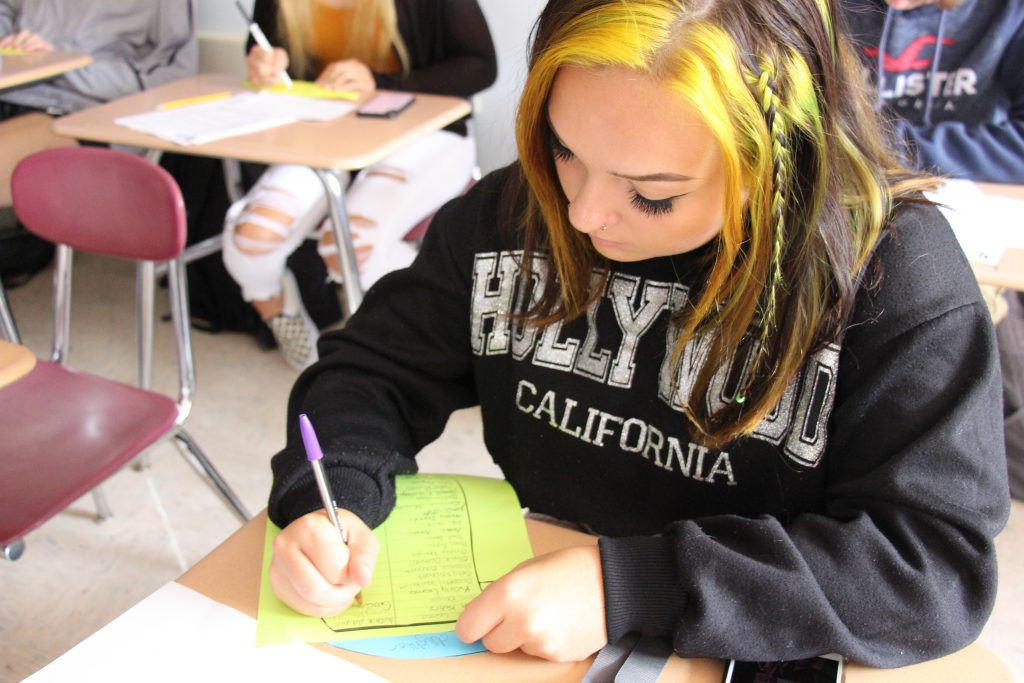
{"points": [[824, 669], [386, 104]]}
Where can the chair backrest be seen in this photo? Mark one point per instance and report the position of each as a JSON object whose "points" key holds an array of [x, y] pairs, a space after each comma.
{"points": [[101, 201], [116, 204]]}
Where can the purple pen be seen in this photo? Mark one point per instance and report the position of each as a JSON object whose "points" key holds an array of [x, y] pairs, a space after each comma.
{"points": [[314, 455]]}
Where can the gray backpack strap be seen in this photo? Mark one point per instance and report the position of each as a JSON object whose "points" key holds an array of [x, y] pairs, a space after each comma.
{"points": [[645, 662], [610, 659], [633, 659]]}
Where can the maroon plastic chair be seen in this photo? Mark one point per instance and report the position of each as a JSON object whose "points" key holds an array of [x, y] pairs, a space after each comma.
{"points": [[64, 431]]}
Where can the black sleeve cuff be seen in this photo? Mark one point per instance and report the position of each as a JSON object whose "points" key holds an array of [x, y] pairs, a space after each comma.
{"points": [[366, 487], [641, 593]]}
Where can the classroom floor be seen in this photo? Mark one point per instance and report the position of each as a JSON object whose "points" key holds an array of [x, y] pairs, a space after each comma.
{"points": [[76, 575]]}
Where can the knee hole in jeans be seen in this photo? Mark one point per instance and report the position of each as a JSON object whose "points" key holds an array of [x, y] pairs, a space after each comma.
{"points": [[392, 172], [247, 232], [362, 250]]}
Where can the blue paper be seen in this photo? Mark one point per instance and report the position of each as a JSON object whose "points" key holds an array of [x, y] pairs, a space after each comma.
{"points": [[419, 646]]}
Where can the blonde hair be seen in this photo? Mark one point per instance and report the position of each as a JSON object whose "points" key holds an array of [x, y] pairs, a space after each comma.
{"points": [[374, 33], [781, 91]]}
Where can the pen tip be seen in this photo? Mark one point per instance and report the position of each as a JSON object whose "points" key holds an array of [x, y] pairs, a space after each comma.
{"points": [[309, 439]]}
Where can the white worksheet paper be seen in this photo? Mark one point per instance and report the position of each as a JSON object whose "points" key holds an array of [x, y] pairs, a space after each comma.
{"points": [[177, 634], [985, 225], [237, 115]]}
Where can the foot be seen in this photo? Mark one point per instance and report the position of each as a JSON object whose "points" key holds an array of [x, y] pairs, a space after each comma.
{"points": [[293, 329]]}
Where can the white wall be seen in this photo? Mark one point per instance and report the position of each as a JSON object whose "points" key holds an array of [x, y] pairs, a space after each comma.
{"points": [[222, 33], [221, 16], [510, 22]]}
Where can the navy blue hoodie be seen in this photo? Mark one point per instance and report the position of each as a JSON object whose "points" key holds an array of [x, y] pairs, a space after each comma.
{"points": [[969, 122]]}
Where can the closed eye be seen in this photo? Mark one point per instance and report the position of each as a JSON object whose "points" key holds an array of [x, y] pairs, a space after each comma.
{"points": [[653, 207], [649, 207], [559, 151]]}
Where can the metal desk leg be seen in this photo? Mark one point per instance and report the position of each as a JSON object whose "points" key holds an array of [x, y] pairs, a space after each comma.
{"points": [[8, 330], [233, 179], [352, 290]]}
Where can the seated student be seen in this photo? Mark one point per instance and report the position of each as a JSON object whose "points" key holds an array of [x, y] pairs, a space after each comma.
{"points": [[708, 316], [135, 44], [952, 85], [357, 45]]}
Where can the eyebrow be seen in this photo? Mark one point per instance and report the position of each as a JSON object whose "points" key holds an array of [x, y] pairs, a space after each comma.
{"points": [[654, 177], [644, 178]]}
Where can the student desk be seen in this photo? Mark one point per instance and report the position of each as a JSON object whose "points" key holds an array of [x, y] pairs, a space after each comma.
{"points": [[18, 70], [346, 143], [230, 575], [16, 361], [1009, 272]]}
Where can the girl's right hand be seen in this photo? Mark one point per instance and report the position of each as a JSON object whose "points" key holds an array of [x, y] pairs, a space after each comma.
{"points": [[314, 572], [265, 68]]}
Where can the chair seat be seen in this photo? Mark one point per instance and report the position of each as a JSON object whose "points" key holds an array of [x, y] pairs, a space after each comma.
{"points": [[92, 427]]}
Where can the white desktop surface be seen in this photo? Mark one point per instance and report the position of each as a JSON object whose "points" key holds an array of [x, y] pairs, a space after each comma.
{"points": [[179, 635]]}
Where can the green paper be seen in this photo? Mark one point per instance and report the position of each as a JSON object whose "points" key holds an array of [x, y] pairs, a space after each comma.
{"points": [[306, 89], [447, 539]]}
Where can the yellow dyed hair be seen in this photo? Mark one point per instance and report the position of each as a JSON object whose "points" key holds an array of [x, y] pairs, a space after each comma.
{"points": [[781, 93]]}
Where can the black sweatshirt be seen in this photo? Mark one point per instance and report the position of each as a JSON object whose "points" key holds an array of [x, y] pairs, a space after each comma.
{"points": [[857, 519]]}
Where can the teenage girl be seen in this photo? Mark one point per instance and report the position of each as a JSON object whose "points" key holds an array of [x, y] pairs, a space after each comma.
{"points": [[707, 316]]}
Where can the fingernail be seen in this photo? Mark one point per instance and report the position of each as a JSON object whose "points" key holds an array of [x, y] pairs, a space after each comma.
{"points": [[365, 575]]}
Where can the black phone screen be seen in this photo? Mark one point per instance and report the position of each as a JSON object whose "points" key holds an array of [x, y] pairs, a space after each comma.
{"points": [[814, 670]]}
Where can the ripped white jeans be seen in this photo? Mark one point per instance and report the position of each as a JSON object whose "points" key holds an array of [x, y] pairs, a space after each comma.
{"points": [[383, 203]]}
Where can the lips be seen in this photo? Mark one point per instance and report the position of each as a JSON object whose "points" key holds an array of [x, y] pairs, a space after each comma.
{"points": [[602, 242]]}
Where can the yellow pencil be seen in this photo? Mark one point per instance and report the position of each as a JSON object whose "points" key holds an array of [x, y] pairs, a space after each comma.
{"points": [[199, 99]]}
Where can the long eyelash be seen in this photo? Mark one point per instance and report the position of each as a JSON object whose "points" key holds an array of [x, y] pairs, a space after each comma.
{"points": [[559, 151], [652, 207]]}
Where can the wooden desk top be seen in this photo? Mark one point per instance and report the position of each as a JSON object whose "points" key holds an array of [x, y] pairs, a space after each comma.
{"points": [[1009, 272], [231, 575], [348, 142], [18, 70], [16, 361]]}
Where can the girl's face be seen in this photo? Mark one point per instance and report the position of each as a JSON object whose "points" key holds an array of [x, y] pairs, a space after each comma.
{"points": [[642, 172]]}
